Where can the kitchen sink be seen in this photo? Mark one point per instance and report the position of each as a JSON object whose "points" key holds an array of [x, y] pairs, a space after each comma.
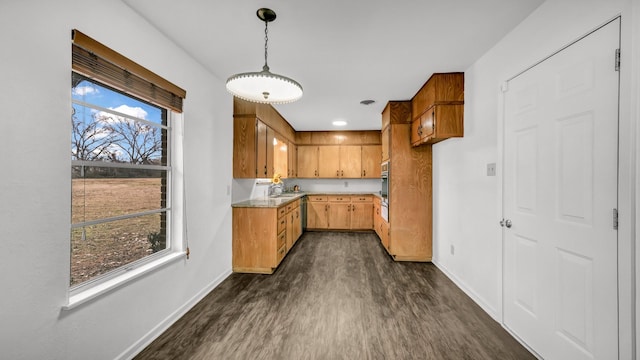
{"points": [[285, 195]]}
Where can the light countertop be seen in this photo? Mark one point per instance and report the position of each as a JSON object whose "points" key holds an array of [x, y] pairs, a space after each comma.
{"points": [[276, 202]]}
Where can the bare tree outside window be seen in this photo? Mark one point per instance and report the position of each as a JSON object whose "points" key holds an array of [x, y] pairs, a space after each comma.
{"points": [[119, 172]]}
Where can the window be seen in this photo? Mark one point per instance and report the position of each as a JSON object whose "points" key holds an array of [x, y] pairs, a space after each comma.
{"points": [[121, 146], [119, 208]]}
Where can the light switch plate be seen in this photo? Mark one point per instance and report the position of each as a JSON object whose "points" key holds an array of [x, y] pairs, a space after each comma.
{"points": [[491, 169]]}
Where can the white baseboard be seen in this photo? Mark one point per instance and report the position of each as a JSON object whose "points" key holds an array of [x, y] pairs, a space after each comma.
{"points": [[143, 342], [473, 295]]}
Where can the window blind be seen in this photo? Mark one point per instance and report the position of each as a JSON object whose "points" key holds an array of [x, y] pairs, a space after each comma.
{"points": [[95, 60]]}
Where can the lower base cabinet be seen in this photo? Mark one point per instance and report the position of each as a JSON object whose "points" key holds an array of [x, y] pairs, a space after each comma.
{"points": [[340, 212], [263, 236]]}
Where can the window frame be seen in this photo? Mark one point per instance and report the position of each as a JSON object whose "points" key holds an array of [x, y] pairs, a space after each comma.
{"points": [[176, 241]]}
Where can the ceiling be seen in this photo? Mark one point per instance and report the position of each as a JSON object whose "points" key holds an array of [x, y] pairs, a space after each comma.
{"points": [[341, 52]]}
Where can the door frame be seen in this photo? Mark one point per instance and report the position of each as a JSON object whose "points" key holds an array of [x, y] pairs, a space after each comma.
{"points": [[628, 135]]}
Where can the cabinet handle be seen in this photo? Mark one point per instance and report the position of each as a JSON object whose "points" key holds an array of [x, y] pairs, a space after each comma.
{"points": [[337, 172], [364, 172], [433, 116], [265, 170], [341, 172]]}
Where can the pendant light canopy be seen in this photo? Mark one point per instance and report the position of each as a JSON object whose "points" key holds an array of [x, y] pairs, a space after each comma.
{"points": [[264, 86]]}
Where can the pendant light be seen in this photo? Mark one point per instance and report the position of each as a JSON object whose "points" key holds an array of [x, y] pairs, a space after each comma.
{"points": [[264, 86]]}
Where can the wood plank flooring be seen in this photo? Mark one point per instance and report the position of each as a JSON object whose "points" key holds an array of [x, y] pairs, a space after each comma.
{"points": [[337, 295]]}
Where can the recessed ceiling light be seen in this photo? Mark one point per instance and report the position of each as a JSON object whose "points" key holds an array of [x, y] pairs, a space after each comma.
{"points": [[367, 102], [339, 123]]}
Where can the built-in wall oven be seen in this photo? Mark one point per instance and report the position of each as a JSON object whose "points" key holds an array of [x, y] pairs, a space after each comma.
{"points": [[384, 192]]}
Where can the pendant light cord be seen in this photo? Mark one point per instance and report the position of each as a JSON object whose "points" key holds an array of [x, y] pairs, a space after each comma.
{"points": [[266, 40]]}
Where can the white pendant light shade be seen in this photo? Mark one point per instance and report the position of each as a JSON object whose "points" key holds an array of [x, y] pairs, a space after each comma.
{"points": [[264, 86]]}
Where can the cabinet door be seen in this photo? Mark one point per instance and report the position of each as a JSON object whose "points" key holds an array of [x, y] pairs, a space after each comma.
{"points": [[271, 142], [244, 147], [329, 161], [428, 123], [416, 131], [361, 216], [292, 152], [297, 224], [339, 215], [376, 217], [262, 170], [351, 161], [280, 156], [317, 215], [448, 122], [384, 236], [290, 229], [371, 159], [385, 143], [307, 161]]}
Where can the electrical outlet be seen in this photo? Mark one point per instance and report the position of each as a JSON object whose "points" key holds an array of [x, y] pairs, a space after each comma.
{"points": [[453, 250], [346, 184], [491, 169]]}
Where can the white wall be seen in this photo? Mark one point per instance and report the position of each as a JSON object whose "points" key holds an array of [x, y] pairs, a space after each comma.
{"points": [[35, 185], [467, 203]]}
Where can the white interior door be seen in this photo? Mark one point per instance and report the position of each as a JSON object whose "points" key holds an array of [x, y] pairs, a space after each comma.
{"points": [[560, 191]]}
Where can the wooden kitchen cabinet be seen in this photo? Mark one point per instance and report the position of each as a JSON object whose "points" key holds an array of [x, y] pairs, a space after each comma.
{"points": [[438, 109], [439, 123], [339, 212], [261, 141], [350, 161], [292, 152], [408, 234], [385, 235], [279, 151], [385, 144], [377, 215], [293, 225], [307, 161], [317, 212], [371, 159], [329, 161], [338, 161], [259, 240], [361, 212], [258, 150], [263, 236]]}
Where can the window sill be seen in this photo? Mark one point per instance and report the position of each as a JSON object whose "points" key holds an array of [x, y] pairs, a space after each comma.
{"points": [[96, 291]]}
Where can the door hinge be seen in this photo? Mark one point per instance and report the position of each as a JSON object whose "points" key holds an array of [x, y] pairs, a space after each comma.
{"points": [[615, 219], [617, 60]]}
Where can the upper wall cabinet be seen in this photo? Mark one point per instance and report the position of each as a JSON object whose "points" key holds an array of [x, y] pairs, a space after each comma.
{"points": [[339, 161], [438, 109], [262, 142]]}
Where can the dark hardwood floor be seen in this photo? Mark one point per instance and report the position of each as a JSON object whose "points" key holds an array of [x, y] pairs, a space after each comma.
{"points": [[337, 296]]}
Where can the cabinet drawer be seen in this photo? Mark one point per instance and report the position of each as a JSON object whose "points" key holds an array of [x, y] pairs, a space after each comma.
{"points": [[340, 198], [362, 199], [282, 238], [289, 207], [281, 252], [282, 224], [318, 198], [282, 211]]}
